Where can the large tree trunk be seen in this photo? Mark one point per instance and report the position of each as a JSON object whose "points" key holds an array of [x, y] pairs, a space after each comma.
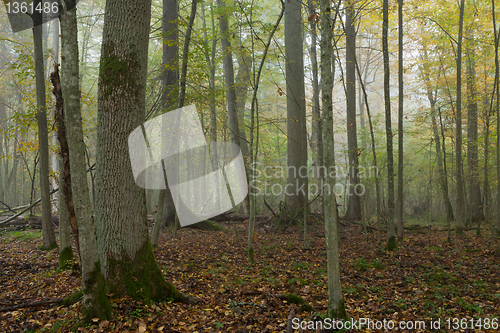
{"points": [[459, 215], [336, 307], [475, 205], [391, 240], [49, 238], [95, 301], [126, 256], [354, 203], [296, 188]]}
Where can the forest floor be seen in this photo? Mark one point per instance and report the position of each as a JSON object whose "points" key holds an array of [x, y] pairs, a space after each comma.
{"points": [[426, 279]]}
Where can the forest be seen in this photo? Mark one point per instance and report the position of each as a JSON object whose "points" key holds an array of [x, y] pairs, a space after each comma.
{"points": [[249, 166]]}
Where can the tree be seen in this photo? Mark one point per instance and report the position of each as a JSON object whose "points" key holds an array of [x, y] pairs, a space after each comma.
{"points": [[459, 215], [126, 257], [354, 203], [227, 60], [400, 121], [475, 205], [296, 194], [170, 62], [316, 135], [49, 238], [391, 234], [336, 307], [497, 93], [95, 301]]}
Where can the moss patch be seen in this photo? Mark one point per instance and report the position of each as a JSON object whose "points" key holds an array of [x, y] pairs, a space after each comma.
{"points": [[118, 75], [208, 225], [66, 257], [140, 278], [294, 299], [73, 298]]}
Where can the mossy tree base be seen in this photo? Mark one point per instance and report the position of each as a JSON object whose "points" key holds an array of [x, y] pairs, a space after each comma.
{"points": [[140, 278], [392, 244], [95, 299], [337, 312], [66, 258], [49, 247]]}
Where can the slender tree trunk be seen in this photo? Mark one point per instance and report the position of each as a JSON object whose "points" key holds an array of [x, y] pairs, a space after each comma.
{"points": [[459, 215], [49, 238], [497, 81], [227, 60], [170, 62], [65, 184], [241, 91], [253, 156], [391, 241], [95, 301], [336, 307], [126, 256], [354, 203], [65, 250], [443, 177], [400, 122], [317, 136]]}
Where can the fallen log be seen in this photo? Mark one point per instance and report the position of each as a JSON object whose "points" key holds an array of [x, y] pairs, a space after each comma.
{"points": [[31, 305], [238, 217], [27, 208]]}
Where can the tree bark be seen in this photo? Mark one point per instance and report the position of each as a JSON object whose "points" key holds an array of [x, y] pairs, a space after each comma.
{"points": [[475, 204], [459, 215], [316, 135], [400, 122], [391, 241], [232, 115], [95, 301], [336, 307], [497, 81], [297, 183], [49, 238], [170, 62], [126, 256], [354, 199]]}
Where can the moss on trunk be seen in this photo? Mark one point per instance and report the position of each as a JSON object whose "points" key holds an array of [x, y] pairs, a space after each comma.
{"points": [[339, 312], [392, 244], [140, 278], [66, 257], [95, 299], [251, 256]]}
